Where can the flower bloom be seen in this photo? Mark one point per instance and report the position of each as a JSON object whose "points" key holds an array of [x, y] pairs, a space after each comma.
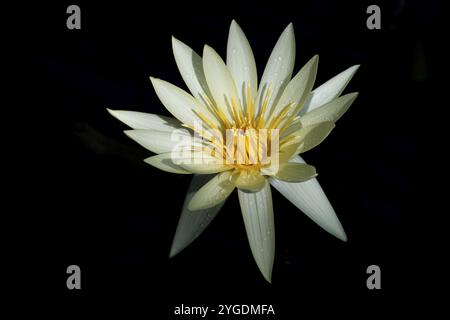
{"points": [[233, 133]]}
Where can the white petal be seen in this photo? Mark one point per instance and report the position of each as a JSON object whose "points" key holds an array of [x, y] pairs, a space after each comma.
{"points": [[331, 111], [192, 223], [213, 192], [299, 88], [220, 82], [191, 68], [257, 212], [164, 162], [241, 63], [309, 197], [329, 90], [141, 120], [279, 67], [162, 141], [177, 101]]}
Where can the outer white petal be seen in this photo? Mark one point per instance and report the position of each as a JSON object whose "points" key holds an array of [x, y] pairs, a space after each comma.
{"points": [[220, 82], [213, 192], [279, 67], [309, 197], [330, 111], [299, 88], [141, 120], [162, 141], [179, 103], [191, 68], [164, 162], [192, 223], [241, 63], [257, 212], [329, 90]]}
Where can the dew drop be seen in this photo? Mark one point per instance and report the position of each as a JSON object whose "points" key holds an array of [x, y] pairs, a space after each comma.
{"points": [[233, 51], [280, 58]]}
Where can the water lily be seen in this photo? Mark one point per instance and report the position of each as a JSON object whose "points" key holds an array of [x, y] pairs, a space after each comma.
{"points": [[235, 114]]}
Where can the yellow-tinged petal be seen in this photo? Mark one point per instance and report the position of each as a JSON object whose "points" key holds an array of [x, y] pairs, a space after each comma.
{"points": [[214, 191], [202, 163], [313, 135], [296, 172], [250, 181]]}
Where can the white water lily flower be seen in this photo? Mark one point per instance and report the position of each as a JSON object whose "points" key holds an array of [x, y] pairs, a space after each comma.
{"points": [[226, 99]]}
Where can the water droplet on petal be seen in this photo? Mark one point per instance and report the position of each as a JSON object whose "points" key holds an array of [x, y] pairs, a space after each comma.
{"points": [[280, 58]]}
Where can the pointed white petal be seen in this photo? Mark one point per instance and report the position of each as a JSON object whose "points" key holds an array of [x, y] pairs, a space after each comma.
{"points": [[329, 90], [164, 162], [299, 88], [241, 63], [279, 67], [257, 212], [220, 82], [141, 120], [179, 103], [192, 223], [191, 68], [213, 192], [309, 197], [163, 141], [331, 111]]}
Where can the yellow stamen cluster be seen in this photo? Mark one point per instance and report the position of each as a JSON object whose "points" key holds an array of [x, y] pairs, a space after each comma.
{"points": [[244, 138]]}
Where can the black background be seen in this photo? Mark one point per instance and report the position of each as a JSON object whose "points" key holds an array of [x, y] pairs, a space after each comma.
{"points": [[96, 204]]}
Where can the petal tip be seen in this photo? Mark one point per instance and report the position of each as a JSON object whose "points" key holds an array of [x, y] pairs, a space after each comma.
{"points": [[173, 252]]}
